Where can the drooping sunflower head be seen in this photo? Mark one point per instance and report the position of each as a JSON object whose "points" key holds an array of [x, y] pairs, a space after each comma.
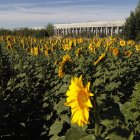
{"points": [[78, 98], [99, 59]]}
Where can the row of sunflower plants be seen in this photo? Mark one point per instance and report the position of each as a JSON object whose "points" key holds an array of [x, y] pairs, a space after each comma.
{"points": [[69, 88]]}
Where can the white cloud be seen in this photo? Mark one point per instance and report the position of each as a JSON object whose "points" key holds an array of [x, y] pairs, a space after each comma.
{"points": [[25, 14]]}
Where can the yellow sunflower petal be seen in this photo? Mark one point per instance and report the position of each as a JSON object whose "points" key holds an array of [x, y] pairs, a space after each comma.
{"points": [[79, 101]]}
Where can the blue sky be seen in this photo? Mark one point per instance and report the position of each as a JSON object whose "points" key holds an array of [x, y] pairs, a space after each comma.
{"points": [[33, 13]]}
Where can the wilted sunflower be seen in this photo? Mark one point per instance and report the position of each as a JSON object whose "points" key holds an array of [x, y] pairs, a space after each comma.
{"points": [[115, 51], [128, 53], [79, 101]]}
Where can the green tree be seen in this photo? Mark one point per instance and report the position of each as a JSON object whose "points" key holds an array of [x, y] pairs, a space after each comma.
{"points": [[50, 29], [132, 24]]}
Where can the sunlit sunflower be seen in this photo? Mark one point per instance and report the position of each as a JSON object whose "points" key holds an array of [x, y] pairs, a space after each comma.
{"points": [[91, 48], [108, 42], [99, 59], [36, 51], [122, 43], [98, 44], [79, 101], [130, 42], [80, 40], [137, 47], [66, 47]]}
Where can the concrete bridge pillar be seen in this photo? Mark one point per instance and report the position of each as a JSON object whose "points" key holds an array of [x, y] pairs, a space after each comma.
{"points": [[64, 31], [92, 30], [120, 29], [96, 29], [58, 31], [79, 30], [102, 30], [105, 30], [111, 31], [75, 31], [72, 30]]}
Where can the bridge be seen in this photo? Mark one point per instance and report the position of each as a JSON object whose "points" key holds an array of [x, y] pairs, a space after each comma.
{"points": [[96, 28]]}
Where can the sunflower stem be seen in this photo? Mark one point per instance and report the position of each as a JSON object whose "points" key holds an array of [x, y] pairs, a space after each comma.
{"points": [[97, 121], [96, 129]]}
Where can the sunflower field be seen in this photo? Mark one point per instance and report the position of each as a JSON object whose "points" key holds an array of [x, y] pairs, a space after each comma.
{"points": [[69, 88]]}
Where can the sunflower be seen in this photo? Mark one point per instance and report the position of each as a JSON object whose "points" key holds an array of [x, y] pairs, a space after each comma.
{"points": [[115, 51], [9, 46], [128, 53], [80, 40], [36, 51], [122, 43], [108, 43], [99, 59], [137, 47], [66, 58], [130, 42], [60, 71], [46, 52], [90, 47], [79, 101], [66, 47], [98, 44]]}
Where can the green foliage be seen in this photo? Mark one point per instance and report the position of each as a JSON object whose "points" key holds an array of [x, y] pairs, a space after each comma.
{"points": [[132, 24], [76, 133], [32, 95]]}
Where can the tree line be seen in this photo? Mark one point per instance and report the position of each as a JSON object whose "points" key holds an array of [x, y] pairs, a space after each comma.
{"points": [[39, 33]]}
